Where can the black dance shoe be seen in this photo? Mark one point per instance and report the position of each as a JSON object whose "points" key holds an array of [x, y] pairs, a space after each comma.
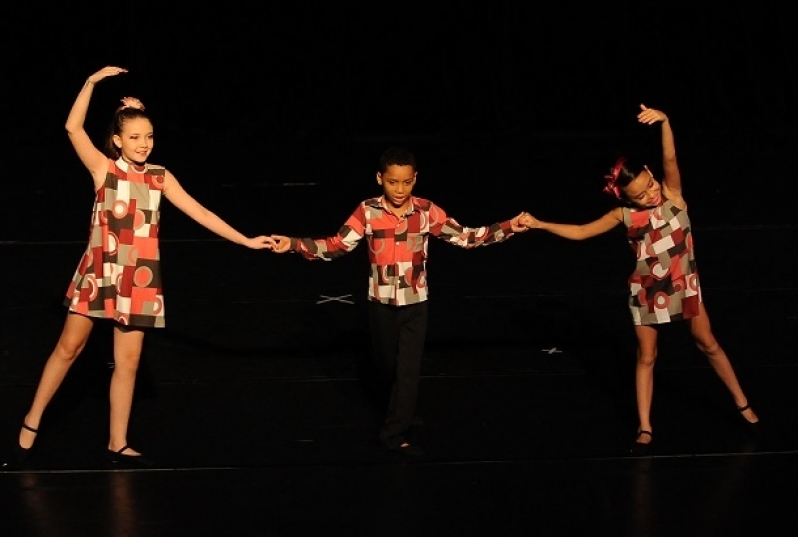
{"points": [[140, 461], [752, 424], [641, 449], [19, 454]]}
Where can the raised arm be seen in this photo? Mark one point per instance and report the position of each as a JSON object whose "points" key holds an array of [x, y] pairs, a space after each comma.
{"points": [[91, 157], [181, 199], [576, 232], [672, 181]]}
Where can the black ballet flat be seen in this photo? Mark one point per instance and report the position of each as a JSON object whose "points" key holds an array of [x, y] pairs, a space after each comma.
{"points": [[639, 448], [752, 424], [18, 453], [118, 457], [21, 454]]}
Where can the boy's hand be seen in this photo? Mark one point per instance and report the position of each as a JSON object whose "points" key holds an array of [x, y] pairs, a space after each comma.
{"points": [[517, 223], [281, 244]]}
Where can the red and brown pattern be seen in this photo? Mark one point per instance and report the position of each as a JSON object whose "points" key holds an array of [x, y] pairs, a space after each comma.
{"points": [[664, 286], [119, 275], [398, 245]]}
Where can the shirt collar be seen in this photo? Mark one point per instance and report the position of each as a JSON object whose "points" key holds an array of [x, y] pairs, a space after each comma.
{"points": [[380, 203]]}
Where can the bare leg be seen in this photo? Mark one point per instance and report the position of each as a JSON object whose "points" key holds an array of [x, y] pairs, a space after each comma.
{"points": [[73, 339], [644, 378], [127, 354], [706, 342]]}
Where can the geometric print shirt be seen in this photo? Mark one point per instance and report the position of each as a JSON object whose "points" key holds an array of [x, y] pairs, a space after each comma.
{"points": [[398, 246]]}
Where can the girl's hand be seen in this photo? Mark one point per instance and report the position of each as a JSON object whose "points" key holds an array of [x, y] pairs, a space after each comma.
{"points": [[261, 242], [106, 72], [528, 221], [649, 116], [132, 102]]}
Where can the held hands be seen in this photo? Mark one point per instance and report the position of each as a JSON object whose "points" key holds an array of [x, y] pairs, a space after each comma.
{"points": [[281, 244], [529, 221], [105, 72], [517, 223], [649, 116]]}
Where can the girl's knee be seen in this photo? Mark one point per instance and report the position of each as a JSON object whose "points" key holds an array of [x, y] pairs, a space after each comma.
{"points": [[127, 347], [68, 349], [707, 344], [127, 362], [646, 358]]}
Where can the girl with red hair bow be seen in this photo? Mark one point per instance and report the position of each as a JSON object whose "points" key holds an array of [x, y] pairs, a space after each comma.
{"points": [[664, 287]]}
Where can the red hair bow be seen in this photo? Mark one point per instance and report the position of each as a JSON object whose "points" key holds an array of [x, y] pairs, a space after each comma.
{"points": [[612, 178]]}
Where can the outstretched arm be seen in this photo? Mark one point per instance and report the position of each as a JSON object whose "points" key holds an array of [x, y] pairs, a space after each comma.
{"points": [[672, 181], [328, 248], [91, 157], [181, 199], [576, 232], [450, 230]]}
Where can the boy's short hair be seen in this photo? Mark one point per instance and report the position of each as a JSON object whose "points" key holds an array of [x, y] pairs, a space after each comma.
{"points": [[398, 156]]}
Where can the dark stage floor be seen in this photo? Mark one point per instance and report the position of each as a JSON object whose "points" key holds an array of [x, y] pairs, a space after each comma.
{"points": [[254, 401]]}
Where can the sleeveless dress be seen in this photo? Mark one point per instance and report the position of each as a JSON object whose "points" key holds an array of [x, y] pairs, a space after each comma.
{"points": [[664, 286], [119, 274]]}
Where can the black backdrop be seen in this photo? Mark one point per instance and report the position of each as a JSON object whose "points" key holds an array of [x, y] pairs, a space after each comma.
{"points": [[508, 107]]}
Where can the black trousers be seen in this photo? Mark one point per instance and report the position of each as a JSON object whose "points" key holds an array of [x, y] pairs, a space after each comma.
{"points": [[398, 335]]}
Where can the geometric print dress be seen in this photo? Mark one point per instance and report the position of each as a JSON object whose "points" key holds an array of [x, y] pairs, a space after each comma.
{"points": [[664, 286], [119, 274]]}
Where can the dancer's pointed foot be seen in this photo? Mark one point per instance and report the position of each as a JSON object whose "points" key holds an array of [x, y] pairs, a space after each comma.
{"points": [[27, 436], [748, 414], [22, 448]]}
